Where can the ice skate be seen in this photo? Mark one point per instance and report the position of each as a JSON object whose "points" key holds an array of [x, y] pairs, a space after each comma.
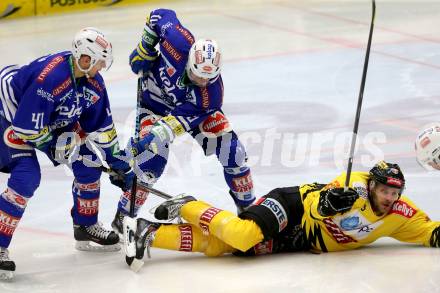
{"points": [[140, 237], [117, 224], [7, 266], [104, 240], [170, 209]]}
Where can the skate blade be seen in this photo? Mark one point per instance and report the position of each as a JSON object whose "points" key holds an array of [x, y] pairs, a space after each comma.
{"points": [[6, 275], [136, 265], [87, 246]]}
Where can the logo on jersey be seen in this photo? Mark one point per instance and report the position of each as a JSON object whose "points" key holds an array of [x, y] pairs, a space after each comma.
{"points": [[336, 232], [172, 51], [62, 87], [90, 96], [403, 209], [350, 223], [49, 67], [215, 125], [170, 69], [186, 238], [96, 84], [186, 34], [12, 140], [205, 97], [45, 95], [277, 209], [361, 189]]}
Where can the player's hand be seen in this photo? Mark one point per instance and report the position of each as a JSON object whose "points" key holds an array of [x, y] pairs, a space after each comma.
{"points": [[142, 59], [121, 174], [336, 200]]}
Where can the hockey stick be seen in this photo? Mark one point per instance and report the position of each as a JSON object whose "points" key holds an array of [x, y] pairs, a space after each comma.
{"points": [[152, 190], [129, 243], [361, 94]]}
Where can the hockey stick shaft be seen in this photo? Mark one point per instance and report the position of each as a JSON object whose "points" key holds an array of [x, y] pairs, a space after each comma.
{"points": [[136, 138], [360, 98], [141, 184]]}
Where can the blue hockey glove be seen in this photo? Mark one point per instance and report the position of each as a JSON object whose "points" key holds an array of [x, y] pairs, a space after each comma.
{"points": [[142, 59], [121, 174]]}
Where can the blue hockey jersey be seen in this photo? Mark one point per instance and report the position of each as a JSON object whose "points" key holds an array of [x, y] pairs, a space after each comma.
{"points": [[166, 87], [41, 100]]}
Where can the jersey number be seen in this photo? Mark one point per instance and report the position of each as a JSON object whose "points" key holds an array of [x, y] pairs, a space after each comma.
{"points": [[37, 118]]}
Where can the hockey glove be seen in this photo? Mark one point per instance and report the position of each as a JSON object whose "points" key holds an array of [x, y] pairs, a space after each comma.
{"points": [[141, 59], [151, 145], [121, 174], [336, 200]]}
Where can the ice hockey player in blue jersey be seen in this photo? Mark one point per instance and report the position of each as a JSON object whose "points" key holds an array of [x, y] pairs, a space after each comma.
{"points": [[182, 91], [58, 104]]}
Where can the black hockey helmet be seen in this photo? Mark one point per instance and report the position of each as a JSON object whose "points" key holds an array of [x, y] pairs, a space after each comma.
{"points": [[388, 174]]}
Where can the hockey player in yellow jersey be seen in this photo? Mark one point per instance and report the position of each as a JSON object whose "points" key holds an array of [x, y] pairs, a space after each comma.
{"points": [[319, 217]]}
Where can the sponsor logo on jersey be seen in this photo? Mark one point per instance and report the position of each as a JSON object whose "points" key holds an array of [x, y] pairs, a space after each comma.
{"points": [[336, 232], [8, 223], [403, 209], [186, 238], [12, 140], [49, 67], [242, 184], [95, 84], [215, 125], [90, 96], [164, 28], [277, 209], [14, 198], [45, 95], [205, 97], [206, 218], [62, 87], [350, 223], [88, 207], [170, 69], [265, 247], [186, 34], [172, 51], [361, 189]]}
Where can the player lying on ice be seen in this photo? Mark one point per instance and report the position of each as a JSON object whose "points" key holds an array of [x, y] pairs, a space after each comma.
{"points": [[314, 217], [49, 105]]}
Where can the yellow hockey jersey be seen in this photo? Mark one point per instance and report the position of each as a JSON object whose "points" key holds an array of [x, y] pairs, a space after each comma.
{"points": [[360, 226]]}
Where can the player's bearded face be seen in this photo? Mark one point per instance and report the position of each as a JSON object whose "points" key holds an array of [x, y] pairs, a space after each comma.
{"points": [[383, 198]]}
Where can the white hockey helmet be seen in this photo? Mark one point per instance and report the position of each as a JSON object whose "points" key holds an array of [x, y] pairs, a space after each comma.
{"points": [[427, 147], [204, 59], [92, 42]]}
